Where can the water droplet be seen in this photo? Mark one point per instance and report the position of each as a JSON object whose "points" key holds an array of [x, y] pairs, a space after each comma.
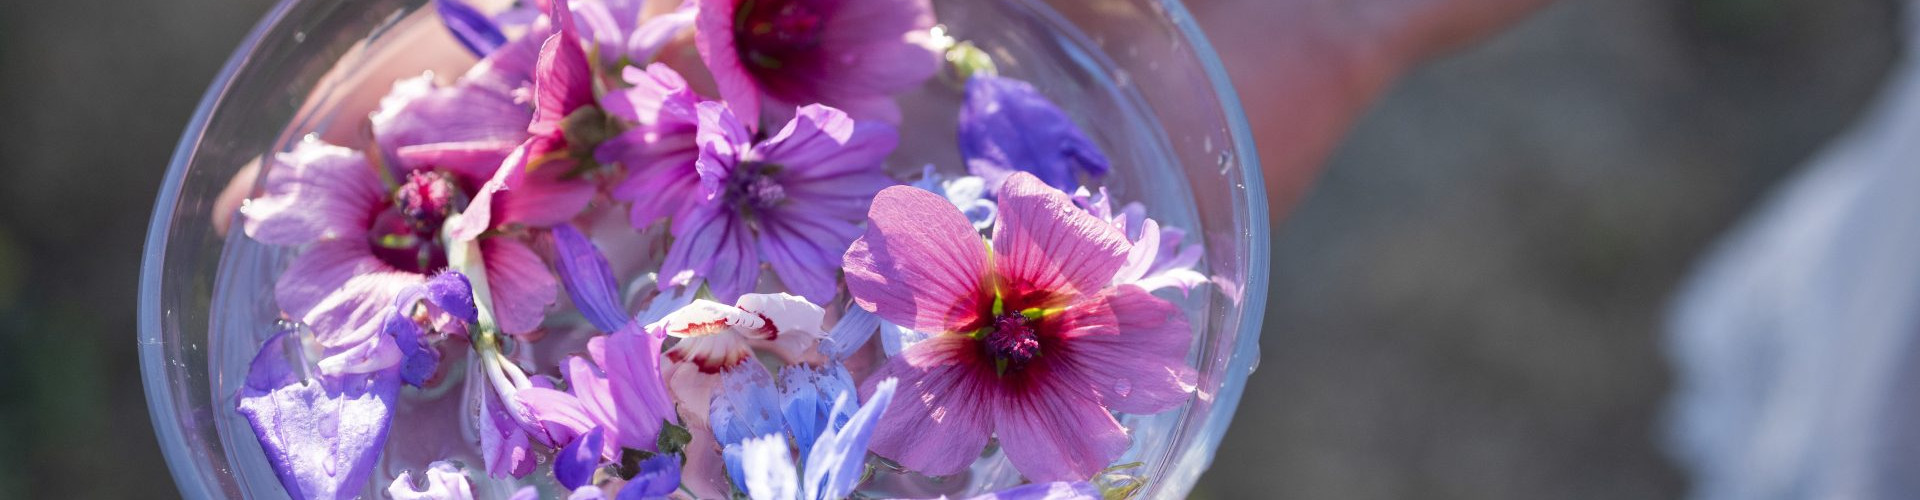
{"points": [[299, 37], [1122, 388], [1225, 161], [1253, 363]]}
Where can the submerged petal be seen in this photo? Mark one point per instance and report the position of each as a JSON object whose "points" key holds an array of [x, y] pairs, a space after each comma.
{"points": [[838, 459], [522, 286], [321, 436], [1128, 346], [1007, 126], [920, 263], [807, 401], [659, 476], [574, 464], [767, 469], [1055, 431]]}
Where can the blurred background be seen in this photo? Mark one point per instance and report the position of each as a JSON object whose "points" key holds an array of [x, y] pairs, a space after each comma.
{"points": [[1465, 306]]}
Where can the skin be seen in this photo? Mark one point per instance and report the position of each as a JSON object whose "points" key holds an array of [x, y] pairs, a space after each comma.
{"points": [[1307, 69]]}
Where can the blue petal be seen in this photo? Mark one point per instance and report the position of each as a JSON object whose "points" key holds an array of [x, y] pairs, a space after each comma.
{"points": [[474, 30], [575, 463], [745, 406], [588, 279], [837, 461], [659, 476], [807, 400], [855, 327], [419, 360], [767, 465], [453, 294], [323, 436], [1006, 126], [1058, 490]]}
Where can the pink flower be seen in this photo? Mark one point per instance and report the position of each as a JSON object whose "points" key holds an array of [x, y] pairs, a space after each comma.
{"points": [[659, 149], [851, 55], [366, 241], [1031, 341]]}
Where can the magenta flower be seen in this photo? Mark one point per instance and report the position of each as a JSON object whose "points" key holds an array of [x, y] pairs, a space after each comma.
{"points": [[1031, 341], [852, 55], [620, 392], [367, 241], [792, 201], [659, 147]]}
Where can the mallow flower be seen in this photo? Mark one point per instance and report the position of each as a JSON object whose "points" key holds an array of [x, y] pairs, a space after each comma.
{"points": [[768, 470], [792, 201], [658, 147], [779, 54], [1007, 126], [1031, 341]]}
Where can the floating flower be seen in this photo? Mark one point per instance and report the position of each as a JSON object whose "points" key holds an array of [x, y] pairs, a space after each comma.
{"points": [[792, 200], [779, 54], [444, 482], [658, 148], [831, 470], [1031, 342], [1007, 126], [716, 337], [1158, 259], [322, 434], [619, 392]]}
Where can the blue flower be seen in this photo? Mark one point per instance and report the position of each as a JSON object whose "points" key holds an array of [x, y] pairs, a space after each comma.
{"points": [[831, 470], [1006, 126]]}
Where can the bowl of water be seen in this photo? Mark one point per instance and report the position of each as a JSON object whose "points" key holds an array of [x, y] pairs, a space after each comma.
{"points": [[1137, 74]]}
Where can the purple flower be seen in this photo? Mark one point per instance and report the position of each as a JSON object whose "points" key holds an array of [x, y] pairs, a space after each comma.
{"points": [[322, 435], [792, 201], [444, 482], [659, 477], [588, 278], [1006, 126], [851, 55], [619, 391], [659, 148], [623, 31], [574, 464], [505, 446], [447, 302], [1029, 334]]}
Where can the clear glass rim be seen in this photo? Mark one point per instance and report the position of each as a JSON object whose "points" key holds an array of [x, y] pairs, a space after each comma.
{"points": [[162, 405]]}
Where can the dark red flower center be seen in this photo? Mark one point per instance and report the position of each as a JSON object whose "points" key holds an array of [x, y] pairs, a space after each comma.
{"points": [[769, 31], [1012, 341], [406, 234]]}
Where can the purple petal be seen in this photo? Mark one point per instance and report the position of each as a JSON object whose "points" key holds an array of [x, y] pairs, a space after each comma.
{"points": [[574, 464], [712, 243], [588, 279], [1052, 430], [452, 293], [1130, 347], [505, 446], [855, 327], [713, 38], [552, 417], [839, 457], [723, 140], [657, 31], [631, 359], [946, 406], [465, 128], [920, 263], [474, 30], [1047, 250], [448, 293], [1007, 126], [323, 436], [659, 477], [1058, 490], [444, 482], [317, 191]]}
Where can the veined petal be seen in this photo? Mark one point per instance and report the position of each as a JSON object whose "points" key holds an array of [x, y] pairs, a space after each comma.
{"points": [[563, 81], [941, 417], [807, 395], [723, 138], [713, 244], [855, 327], [522, 286], [801, 248], [920, 263], [631, 360], [323, 436], [444, 482], [1128, 346], [316, 192], [746, 405], [588, 279], [1046, 250], [1053, 431], [418, 113]]}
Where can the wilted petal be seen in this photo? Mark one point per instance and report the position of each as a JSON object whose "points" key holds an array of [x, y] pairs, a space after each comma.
{"points": [[1046, 250], [944, 411], [322, 436], [574, 464], [920, 263], [838, 459], [588, 279], [1007, 126], [444, 482], [317, 191]]}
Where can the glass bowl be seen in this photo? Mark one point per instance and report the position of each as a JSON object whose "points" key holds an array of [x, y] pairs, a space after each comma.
{"points": [[293, 74]]}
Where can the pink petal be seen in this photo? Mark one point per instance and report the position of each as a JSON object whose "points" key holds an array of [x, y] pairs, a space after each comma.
{"points": [[522, 286], [541, 198], [552, 417], [563, 81], [418, 112], [1052, 432], [1128, 346], [711, 242], [472, 162], [479, 214], [920, 264], [713, 38], [317, 191], [338, 290], [940, 418], [1046, 250], [594, 391]]}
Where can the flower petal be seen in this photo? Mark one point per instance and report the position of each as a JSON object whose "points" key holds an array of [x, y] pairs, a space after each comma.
{"points": [[316, 192], [920, 263], [713, 38], [807, 396], [1007, 126], [659, 476], [574, 464], [504, 445], [785, 314], [1130, 347], [522, 286], [768, 469], [839, 458], [472, 29], [563, 81], [467, 118], [1046, 250], [941, 418], [323, 436], [631, 359], [712, 243], [1053, 431], [588, 279], [552, 417], [746, 405], [444, 482], [855, 328], [801, 249]]}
